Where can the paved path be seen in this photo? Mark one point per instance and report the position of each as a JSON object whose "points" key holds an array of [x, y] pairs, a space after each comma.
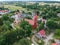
{"points": [[45, 40], [33, 40], [13, 26], [48, 38], [57, 41]]}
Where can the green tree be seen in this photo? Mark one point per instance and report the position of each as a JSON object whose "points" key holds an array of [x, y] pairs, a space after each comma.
{"points": [[6, 26], [24, 42], [26, 27], [51, 24], [41, 26], [5, 17], [1, 22], [57, 33]]}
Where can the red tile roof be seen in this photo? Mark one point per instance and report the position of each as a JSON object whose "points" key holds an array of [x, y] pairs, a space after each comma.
{"points": [[3, 11], [33, 22], [54, 44], [42, 32], [35, 18]]}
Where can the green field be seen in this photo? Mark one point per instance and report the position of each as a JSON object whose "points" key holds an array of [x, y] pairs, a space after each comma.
{"points": [[12, 7]]}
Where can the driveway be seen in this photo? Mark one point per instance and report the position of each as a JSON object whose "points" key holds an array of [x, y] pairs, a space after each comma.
{"points": [[48, 38]]}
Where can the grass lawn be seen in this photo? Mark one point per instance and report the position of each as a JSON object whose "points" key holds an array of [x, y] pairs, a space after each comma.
{"points": [[13, 8]]}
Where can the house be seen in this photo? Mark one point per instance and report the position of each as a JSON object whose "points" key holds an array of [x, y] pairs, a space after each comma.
{"points": [[40, 34], [4, 11], [57, 41]]}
